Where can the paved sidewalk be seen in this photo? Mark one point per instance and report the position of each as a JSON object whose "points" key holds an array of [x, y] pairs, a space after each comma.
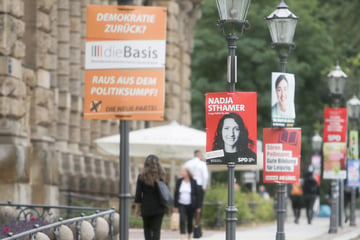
{"points": [[318, 230]]}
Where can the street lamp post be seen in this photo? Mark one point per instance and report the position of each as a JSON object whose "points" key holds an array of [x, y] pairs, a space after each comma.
{"points": [[336, 81], [316, 143], [353, 109], [282, 24], [124, 195], [232, 22]]}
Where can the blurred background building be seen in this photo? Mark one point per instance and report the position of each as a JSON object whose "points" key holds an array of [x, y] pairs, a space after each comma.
{"points": [[46, 147]]}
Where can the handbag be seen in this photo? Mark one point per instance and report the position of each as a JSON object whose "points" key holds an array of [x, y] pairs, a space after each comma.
{"points": [[164, 194], [197, 229], [174, 221], [197, 232]]}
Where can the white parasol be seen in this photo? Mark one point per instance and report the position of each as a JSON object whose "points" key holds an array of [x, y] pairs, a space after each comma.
{"points": [[170, 141]]}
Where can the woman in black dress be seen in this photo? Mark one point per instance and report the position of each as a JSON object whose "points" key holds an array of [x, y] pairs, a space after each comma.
{"points": [[147, 198]]}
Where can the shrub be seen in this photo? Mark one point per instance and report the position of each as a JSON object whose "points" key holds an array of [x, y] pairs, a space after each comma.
{"points": [[244, 213], [135, 222], [215, 194], [10, 224], [263, 210], [251, 206]]}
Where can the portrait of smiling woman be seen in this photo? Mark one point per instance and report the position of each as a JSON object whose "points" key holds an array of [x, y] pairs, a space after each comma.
{"points": [[232, 137], [284, 106]]}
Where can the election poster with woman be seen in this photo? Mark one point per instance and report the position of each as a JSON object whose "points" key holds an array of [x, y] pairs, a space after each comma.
{"points": [[231, 128], [282, 99]]}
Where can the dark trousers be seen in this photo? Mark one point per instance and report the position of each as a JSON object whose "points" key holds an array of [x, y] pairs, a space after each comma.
{"points": [[201, 195], [347, 206], [309, 201], [186, 218], [152, 226], [296, 203]]}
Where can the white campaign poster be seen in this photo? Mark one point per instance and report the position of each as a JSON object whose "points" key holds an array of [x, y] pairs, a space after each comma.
{"points": [[282, 99]]}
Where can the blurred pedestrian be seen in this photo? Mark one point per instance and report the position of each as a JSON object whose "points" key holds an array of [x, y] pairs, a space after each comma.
{"points": [[199, 170], [147, 198], [311, 191], [347, 199], [296, 196], [263, 192], [186, 201], [347, 202]]}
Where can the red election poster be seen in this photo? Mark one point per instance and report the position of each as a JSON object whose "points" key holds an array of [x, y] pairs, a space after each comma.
{"points": [[281, 155], [231, 128], [334, 149]]}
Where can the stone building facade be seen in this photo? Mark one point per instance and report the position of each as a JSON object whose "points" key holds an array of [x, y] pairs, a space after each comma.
{"points": [[46, 146]]}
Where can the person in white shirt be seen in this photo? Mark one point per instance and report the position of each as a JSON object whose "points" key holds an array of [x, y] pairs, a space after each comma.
{"points": [[200, 172], [186, 201]]}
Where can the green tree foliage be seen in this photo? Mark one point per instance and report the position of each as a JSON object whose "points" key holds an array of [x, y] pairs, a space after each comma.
{"points": [[341, 20], [320, 39]]}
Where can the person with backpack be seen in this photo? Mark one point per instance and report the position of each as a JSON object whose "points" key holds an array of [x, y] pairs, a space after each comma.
{"points": [[148, 204], [310, 191], [296, 193]]}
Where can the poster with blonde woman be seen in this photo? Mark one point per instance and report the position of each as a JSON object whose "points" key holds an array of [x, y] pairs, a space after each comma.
{"points": [[282, 99]]}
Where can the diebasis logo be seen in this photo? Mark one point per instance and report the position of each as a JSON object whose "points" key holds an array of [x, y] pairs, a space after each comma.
{"points": [[125, 54], [96, 51]]}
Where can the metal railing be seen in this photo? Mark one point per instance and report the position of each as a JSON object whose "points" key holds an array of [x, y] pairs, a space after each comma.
{"points": [[27, 211], [72, 199]]}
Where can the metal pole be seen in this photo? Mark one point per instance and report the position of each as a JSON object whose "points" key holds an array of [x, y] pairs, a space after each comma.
{"points": [[283, 60], [353, 189], [231, 210], [353, 207], [281, 211], [281, 187], [341, 202], [69, 203], [125, 2], [334, 206], [232, 62], [124, 196], [334, 220]]}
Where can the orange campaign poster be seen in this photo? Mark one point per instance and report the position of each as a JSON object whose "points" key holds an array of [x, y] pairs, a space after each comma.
{"points": [[125, 62], [281, 155], [106, 22], [231, 128]]}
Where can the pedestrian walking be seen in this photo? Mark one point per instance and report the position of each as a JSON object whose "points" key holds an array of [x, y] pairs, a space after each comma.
{"points": [[199, 170], [263, 193], [311, 191], [296, 196], [186, 201], [347, 200], [147, 198]]}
